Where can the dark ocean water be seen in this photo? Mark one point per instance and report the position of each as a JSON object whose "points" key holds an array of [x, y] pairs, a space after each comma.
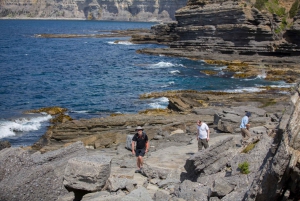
{"points": [[91, 77]]}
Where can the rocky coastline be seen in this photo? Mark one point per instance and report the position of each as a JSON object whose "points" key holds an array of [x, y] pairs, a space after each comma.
{"points": [[89, 159]]}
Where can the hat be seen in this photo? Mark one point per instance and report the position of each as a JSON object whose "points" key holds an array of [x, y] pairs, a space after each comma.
{"points": [[139, 128], [248, 114]]}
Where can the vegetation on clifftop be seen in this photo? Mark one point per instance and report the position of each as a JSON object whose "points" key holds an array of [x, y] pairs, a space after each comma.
{"points": [[276, 8]]}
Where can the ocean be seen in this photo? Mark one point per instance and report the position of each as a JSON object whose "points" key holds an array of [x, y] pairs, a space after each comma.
{"points": [[91, 77]]}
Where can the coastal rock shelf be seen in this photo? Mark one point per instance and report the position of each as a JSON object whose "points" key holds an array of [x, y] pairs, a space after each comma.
{"points": [[173, 169]]}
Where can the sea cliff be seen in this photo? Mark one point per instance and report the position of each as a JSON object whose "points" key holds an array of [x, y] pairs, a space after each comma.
{"points": [[231, 30], [125, 10]]}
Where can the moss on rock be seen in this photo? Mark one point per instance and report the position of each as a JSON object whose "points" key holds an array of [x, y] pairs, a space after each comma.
{"points": [[49, 110], [61, 118], [209, 72]]}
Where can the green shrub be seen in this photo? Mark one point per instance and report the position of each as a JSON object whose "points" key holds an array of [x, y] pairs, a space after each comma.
{"points": [[259, 4], [294, 9], [274, 8], [250, 146], [244, 167]]}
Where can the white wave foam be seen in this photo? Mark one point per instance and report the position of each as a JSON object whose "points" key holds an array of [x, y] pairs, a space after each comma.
{"points": [[246, 89], [283, 85], [159, 103], [220, 67], [263, 75], [174, 71], [120, 43], [80, 111], [161, 55], [8, 128], [162, 65], [163, 99]]}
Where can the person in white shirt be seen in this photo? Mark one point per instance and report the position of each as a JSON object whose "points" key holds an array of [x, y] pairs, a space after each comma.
{"points": [[202, 135], [245, 126]]}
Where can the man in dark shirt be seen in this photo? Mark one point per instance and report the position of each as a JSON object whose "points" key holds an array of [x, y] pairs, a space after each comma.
{"points": [[139, 146]]}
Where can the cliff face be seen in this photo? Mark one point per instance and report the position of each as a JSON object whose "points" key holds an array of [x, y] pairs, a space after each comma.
{"points": [[279, 178], [232, 27], [124, 10]]}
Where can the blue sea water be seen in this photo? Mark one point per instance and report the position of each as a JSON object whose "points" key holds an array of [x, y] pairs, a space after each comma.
{"points": [[91, 77]]}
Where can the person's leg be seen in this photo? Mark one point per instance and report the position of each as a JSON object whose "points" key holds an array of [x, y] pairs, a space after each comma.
{"points": [[243, 132], [247, 135], [137, 154], [140, 159], [199, 144], [205, 143]]}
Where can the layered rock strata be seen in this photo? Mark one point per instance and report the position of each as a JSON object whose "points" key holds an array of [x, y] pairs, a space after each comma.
{"points": [[227, 30], [137, 10]]}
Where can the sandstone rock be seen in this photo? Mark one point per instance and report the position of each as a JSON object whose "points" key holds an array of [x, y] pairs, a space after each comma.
{"points": [[221, 188], [87, 173], [192, 191], [139, 194], [178, 131], [38, 175], [208, 180], [114, 184], [68, 197], [4, 144], [128, 163], [211, 160], [101, 196], [230, 120], [161, 195], [214, 199], [157, 137], [167, 182], [128, 141], [234, 195], [205, 111]]}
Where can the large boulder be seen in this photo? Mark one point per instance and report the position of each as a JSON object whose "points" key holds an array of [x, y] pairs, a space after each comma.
{"points": [[210, 160], [192, 191], [37, 176], [88, 173], [229, 120], [115, 184], [221, 188], [129, 141]]}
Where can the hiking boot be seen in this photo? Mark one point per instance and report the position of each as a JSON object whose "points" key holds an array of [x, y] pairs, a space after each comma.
{"points": [[138, 171]]}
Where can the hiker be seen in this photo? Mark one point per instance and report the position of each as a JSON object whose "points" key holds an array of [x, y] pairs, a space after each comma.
{"points": [[202, 135], [139, 146], [245, 126]]}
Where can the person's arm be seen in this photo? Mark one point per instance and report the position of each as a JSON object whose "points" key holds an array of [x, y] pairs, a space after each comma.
{"points": [[147, 146], [132, 147], [208, 131], [247, 124], [197, 133]]}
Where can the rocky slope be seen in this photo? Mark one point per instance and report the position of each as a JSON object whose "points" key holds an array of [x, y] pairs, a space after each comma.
{"points": [[125, 10], [173, 169]]}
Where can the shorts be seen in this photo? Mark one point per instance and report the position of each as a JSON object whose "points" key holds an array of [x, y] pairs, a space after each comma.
{"points": [[140, 152]]}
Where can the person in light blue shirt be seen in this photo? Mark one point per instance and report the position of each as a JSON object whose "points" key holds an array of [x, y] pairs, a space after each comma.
{"points": [[245, 126]]}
